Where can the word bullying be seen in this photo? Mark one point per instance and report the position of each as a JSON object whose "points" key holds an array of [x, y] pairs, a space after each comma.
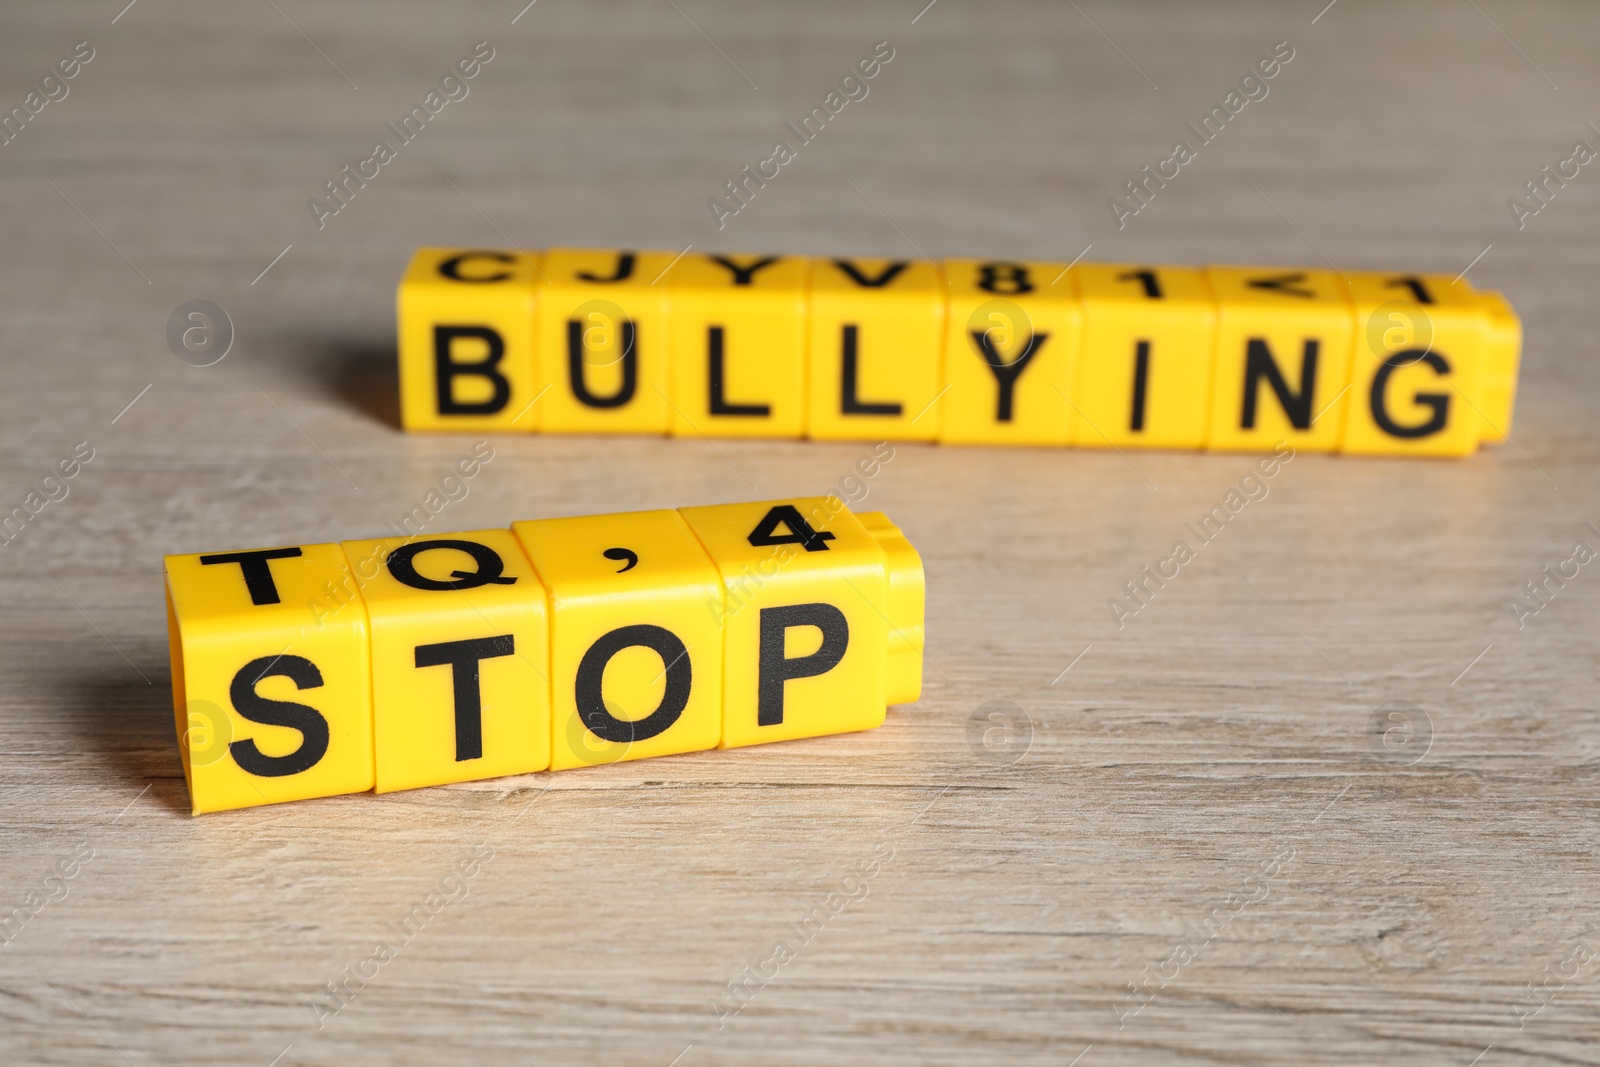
{"points": [[1222, 358]]}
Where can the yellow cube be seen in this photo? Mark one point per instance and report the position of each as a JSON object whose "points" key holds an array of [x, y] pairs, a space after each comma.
{"points": [[806, 618], [1283, 359], [1417, 375], [460, 658], [876, 332], [271, 676], [466, 340], [738, 346], [1149, 341], [1010, 353], [602, 342], [636, 655]]}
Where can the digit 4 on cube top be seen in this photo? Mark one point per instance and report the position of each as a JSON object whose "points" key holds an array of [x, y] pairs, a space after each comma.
{"points": [[315, 670], [959, 352]]}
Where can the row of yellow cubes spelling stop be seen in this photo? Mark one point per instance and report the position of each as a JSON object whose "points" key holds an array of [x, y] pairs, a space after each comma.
{"points": [[963, 351], [315, 670]]}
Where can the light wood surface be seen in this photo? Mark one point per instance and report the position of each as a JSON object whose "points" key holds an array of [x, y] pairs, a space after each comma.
{"points": [[1200, 808]]}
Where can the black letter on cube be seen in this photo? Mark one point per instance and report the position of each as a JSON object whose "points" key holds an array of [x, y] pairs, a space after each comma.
{"points": [[773, 668], [591, 674], [630, 366], [1259, 365], [463, 658], [402, 564], [446, 370], [1439, 402], [257, 572], [251, 705]]}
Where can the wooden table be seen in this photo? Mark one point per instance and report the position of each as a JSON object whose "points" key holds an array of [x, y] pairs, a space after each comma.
{"points": [[1180, 841]]}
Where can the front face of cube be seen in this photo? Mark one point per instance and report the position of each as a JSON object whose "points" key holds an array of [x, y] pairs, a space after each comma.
{"points": [[271, 676], [738, 346], [636, 654], [601, 342], [875, 334], [1417, 371], [1010, 353], [1149, 342], [1283, 359], [460, 657], [466, 340], [805, 618]]}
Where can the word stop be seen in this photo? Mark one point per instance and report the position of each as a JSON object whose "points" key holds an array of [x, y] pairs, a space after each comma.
{"points": [[315, 670]]}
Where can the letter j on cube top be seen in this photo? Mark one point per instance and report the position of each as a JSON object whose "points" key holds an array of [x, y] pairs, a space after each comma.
{"points": [[962, 352], [316, 670]]}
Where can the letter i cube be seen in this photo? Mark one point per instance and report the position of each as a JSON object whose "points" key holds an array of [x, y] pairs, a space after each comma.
{"points": [[1149, 343]]}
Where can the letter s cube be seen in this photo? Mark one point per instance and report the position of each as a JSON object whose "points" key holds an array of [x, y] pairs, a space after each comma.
{"points": [[271, 676]]}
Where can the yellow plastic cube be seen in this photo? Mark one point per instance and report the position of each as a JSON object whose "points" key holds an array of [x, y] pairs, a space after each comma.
{"points": [[466, 340], [876, 332], [1010, 353], [602, 342], [1418, 370], [738, 346], [460, 658], [636, 654], [806, 620], [271, 676], [1149, 341], [1283, 358]]}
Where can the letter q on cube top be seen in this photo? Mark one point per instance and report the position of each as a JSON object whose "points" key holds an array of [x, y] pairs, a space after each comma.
{"points": [[557, 644]]}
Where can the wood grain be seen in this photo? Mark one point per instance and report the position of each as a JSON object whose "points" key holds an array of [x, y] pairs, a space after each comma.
{"points": [[1195, 807]]}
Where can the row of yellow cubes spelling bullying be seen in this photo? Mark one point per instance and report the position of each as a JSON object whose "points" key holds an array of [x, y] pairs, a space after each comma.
{"points": [[962, 351], [316, 670]]}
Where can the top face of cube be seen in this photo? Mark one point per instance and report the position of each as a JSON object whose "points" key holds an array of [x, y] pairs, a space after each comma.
{"points": [[601, 555], [220, 592], [1436, 291], [1287, 291], [581, 267], [876, 276], [783, 274], [1128, 283], [809, 534], [1030, 282], [425, 575], [466, 268]]}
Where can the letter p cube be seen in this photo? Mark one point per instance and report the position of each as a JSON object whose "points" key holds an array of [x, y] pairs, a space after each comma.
{"points": [[823, 617]]}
